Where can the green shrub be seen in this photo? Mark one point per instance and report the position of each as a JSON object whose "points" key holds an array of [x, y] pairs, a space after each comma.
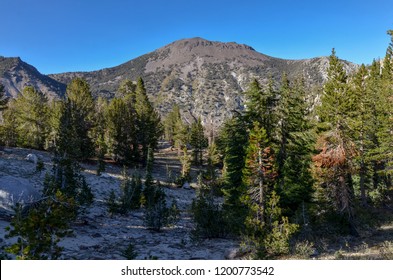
{"points": [[40, 166], [208, 216], [304, 249], [40, 227], [157, 213], [130, 197], [277, 241], [112, 204], [131, 193], [129, 253]]}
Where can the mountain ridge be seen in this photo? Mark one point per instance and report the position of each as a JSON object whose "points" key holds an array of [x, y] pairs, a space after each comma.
{"points": [[205, 78]]}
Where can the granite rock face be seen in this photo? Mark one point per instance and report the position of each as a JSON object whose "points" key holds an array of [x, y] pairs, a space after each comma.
{"points": [[16, 190]]}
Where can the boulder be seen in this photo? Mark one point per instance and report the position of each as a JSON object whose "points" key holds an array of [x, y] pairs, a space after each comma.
{"points": [[16, 190], [32, 158]]}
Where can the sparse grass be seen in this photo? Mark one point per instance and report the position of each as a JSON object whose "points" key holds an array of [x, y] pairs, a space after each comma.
{"points": [[386, 251], [304, 249]]}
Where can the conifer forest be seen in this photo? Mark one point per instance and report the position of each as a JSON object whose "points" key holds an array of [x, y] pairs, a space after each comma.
{"points": [[301, 172]]}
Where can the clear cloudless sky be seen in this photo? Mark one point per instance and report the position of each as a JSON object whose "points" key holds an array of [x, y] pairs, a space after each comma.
{"points": [[82, 35]]}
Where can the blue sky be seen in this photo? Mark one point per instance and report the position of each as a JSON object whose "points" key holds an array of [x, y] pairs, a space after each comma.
{"points": [[84, 35]]}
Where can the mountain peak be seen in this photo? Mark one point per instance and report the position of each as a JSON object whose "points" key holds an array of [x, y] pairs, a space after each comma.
{"points": [[198, 42], [205, 78], [199, 50], [15, 74]]}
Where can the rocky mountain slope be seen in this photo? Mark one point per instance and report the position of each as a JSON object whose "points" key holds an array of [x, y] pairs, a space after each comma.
{"points": [[205, 78], [16, 74]]}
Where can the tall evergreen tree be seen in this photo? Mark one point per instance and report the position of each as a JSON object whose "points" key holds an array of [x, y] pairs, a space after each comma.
{"points": [[127, 87], [260, 104], [232, 145], [387, 69], [259, 174], [80, 106], [335, 100], [198, 141], [170, 124], [336, 146], [385, 133], [267, 229], [361, 127], [376, 110], [66, 176], [3, 98], [121, 119], [32, 118], [149, 127], [9, 127], [54, 116], [99, 132], [295, 143]]}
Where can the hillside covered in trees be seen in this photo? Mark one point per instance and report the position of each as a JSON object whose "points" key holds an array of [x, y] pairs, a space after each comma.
{"points": [[285, 177]]}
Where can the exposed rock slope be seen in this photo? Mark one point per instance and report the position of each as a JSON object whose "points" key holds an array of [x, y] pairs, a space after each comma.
{"points": [[205, 78], [16, 74]]}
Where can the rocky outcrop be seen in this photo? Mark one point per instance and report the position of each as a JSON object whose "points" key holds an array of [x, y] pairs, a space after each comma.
{"points": [[16, 74], [15, 190]]}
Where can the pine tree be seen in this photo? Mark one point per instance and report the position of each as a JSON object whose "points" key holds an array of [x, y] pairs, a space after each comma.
{"points": [[99, 132], [260, 104], [121, 121], [185, 161], [131, 192], [337, 150], [386, 119], [213, 159], [335, 100], [55, 112], [182, 136], [259, 174], [266, 228], [157, 213], [112, 204], [80, 105], [3, 98], [40, 228], [9, 127], [198, 141], [294, 140], [387, 68], [376, 110], [127, 87], [150, 188], [232, 145], [170, 123], [361, 127], [149, 127], [66, 175], [32, 118]]}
